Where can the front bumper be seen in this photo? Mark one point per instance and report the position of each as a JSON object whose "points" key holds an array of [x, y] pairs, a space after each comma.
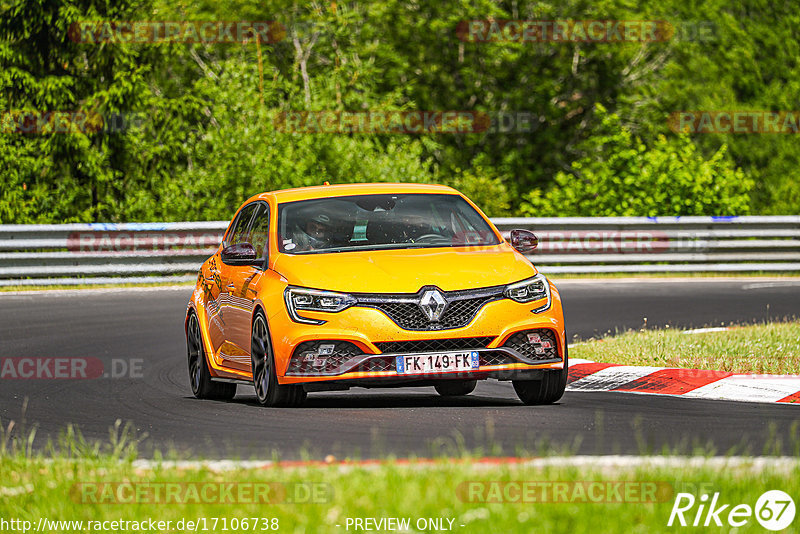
{"points": [[335, 358], [373, 339]]}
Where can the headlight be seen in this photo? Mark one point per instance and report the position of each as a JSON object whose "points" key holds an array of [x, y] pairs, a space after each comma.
{"points": [[535, 288], [298, 299]]}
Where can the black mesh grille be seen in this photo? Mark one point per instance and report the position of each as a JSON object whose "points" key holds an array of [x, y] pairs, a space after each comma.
{"points": [[525, 342], [403, 309], [316, 358], [433, 345], [407, 315], [303, 363], [376, 364], [495, 358]]}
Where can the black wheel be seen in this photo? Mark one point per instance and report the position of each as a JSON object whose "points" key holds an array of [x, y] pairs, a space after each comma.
{"points": [[455, 388], [547, 390], [199, 376], [268, 391]]}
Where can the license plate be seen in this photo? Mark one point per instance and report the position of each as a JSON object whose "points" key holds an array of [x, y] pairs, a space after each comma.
{"points": [[442, 362]]}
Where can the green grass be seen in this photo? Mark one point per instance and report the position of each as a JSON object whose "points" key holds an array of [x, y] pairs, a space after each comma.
{"points": [[73, 479], [5, 289], [763, 348], [63, 488]]}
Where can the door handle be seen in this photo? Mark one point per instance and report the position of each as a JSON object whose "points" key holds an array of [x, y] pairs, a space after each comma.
{"points": [[230, 287]]}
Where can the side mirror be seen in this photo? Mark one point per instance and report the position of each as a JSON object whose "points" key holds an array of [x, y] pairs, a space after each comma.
{"points": [[239, 254], [524, 240]]}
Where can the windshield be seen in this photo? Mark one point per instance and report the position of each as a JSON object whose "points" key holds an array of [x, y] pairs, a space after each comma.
{"points": [[369, 222]]}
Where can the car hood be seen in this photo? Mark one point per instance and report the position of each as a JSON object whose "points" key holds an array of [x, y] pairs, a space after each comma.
{"points": [[406, 270]]}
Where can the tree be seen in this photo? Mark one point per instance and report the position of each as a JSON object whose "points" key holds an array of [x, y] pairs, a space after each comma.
{"points": [[84, 174], [620, 176]]}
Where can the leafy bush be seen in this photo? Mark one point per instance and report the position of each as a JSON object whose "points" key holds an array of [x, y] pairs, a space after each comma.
{"points": [[620, 176], [488, 192]]}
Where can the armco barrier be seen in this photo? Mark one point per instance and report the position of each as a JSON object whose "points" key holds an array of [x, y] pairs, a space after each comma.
{"points": [[156, 252]]}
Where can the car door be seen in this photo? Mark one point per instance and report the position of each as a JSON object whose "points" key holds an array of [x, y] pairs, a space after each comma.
{"points": [[242, 283], [212, 288], [232, 307]]}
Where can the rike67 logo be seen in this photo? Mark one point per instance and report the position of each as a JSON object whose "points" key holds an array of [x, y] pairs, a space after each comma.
{"points": [[774, 510]]}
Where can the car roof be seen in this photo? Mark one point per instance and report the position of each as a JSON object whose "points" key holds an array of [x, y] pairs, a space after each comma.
{"points": [[325, 191]]}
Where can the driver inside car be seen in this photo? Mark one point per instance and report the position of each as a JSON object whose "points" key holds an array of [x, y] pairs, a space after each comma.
{"points": [[412, 227], [315, 234]]}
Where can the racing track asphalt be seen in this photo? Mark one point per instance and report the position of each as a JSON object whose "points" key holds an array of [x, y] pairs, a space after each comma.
{"points": [[146, 324]]}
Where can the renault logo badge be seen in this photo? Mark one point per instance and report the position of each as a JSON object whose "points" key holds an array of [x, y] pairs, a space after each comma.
{"points": [[432, 303]]}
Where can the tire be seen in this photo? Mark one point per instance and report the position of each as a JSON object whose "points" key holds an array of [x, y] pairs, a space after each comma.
{"points": [[265, 381], [547, 390], [199, 375], [455, 388]]}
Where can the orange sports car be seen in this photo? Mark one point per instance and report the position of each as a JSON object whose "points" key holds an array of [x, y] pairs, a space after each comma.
{"points": [[372, 285]]}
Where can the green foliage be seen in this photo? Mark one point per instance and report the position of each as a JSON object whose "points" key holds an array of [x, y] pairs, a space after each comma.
{"points": [[209, 141], [487, 191], [80, 175], [620, 175]]}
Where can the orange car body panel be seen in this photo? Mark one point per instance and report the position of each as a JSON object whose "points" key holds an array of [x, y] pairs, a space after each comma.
{"points": [[226, 297]]}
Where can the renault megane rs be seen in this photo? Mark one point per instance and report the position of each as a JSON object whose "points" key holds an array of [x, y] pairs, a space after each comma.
{"points": [[372, 285]]}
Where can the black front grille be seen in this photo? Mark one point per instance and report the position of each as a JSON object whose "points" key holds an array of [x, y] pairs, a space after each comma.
{"points": [[334, 357], [376, 364], [316, 358], [433, 345], [525, 342], [495, 358], [404, 309], [302, 363]]}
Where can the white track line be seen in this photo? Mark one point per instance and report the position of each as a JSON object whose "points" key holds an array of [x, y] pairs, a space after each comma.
{"points": [[210, 465], [706, 330], [755, 464]]}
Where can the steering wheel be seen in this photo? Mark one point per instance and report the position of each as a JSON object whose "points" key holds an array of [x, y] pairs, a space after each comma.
{"points": [[430, 237]]}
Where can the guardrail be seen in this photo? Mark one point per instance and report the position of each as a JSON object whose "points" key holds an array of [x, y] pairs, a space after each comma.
{"points": [[101, 253]]}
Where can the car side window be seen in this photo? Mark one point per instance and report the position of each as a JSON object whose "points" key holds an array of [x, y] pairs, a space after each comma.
{"points": [[259, 232], [239, 233]]}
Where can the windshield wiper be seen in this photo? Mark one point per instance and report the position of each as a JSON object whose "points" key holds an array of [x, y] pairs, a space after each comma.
{"points": [[385, 246]]}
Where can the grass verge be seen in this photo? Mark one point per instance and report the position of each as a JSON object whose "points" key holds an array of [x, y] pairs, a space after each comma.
{"points": [[772, 348], [465, 497], [81, 486], [6, 289]]}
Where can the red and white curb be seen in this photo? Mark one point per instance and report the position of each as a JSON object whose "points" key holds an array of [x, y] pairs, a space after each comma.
{"points": [[585, 375]]}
